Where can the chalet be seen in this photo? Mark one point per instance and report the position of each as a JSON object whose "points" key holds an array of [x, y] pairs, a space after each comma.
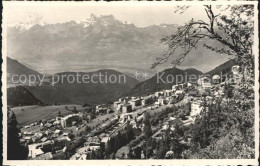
{"points": [[171, 124], [48, 132], [167, 93], [116, 103], [57, 131], [27, 133], [100, 106], [179, 92], [162, 101], [119, 107], [45, 156], [196, 108], [157, 103], [36, 149], [189, 84], [126, 108], [34, 152], [193, 93], [93, 143], [104, 140], [157, 94], [127, 116], [65, 134], [56, 122], [135, 102], [205, 83], [28, 139], [44, 139], [120, 100], [187, 122], [103, 111], [48, 125], [67, 120], [133, 98], [209, 100], [147, 100], [35, 139], [216, 79], [140, 118], [133, 124], [63, 139], [175, 87]]}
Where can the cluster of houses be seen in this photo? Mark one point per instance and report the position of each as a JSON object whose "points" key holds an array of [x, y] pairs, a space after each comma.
{"points": [[197, 97], [127, 104], [128, 110], [48, 135], [39, 150], [103, 109], [92, 144]]}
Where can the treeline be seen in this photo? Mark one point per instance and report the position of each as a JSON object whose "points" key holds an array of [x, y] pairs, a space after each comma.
{"points": [[226, 130], [20, 96], [118, 141]]}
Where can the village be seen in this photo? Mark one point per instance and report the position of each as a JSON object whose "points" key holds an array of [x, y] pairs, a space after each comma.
{"points": [[49, 139]]}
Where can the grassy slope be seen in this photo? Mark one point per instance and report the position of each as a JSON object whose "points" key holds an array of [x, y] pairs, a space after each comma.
{"points": [[35, 113]]}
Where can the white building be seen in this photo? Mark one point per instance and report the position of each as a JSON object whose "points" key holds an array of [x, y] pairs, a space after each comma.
{"points": [[63, 120], [175, 87], [189, 84], [204, 82], [237, 76], [196, 108], [216, 79], [157, 94], [35, 149], [116, 103], [135, 103], [147, 100], [126, 108], [167, 93], [179, 92]]}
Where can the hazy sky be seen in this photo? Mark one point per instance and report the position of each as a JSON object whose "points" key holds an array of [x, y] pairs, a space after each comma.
{"points": [[141, 15]]}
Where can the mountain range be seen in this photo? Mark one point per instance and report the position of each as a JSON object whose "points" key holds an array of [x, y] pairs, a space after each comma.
{"points": [[95, 93], [64, 92], [81, 46]]}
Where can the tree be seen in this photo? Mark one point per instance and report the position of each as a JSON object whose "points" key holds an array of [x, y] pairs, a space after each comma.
{"points": [[15, 151], [59, 114], [147, 129], [228, 91], [87, 129], [234, 31], [75, 109], [162, 150]]}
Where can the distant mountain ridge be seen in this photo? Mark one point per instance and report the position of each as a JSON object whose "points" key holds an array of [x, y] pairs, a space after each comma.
{"points": [[224, 68], [99, 38], [79, 93], [73, 46], [162, 80], [16, 69], [65, 92], [151, 85], [99, 93]]}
